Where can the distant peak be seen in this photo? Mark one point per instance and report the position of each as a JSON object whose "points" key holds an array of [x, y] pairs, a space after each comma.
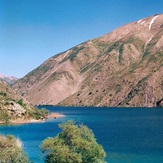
{"points": [[1, 76], [8, 79]]}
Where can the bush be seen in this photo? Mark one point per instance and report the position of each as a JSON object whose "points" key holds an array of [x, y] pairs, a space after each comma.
{"points": [[38, 113], [11, 150], [20, 102], [75, 144], [3, 94], [4, 117]]}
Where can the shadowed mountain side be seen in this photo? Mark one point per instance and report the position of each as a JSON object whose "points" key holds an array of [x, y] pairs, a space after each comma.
{"points": [[122, 68]]}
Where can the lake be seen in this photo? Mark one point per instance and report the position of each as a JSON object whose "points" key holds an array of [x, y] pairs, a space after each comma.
{"points": [[128, 135]]}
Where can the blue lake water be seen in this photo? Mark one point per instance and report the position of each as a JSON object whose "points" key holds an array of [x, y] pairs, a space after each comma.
{"points": [[127, 135]]}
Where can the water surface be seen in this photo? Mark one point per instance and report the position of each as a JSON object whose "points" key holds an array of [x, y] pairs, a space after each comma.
{"points": [[127, 135]]}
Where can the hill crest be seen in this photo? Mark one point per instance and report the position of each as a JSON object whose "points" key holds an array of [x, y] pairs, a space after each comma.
{"points": [[122, 68]]}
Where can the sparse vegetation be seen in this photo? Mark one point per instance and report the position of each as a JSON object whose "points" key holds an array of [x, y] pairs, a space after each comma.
{"points": [[152, 58], [73, 54], [102, 63], [3, 94], [38, 113], [4, 117], [20, 102], [12, 107], [121, 49], [86, 67], [117, 88]]}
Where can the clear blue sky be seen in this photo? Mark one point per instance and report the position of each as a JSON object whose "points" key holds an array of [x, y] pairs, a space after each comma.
{"points": [[31, 31]]}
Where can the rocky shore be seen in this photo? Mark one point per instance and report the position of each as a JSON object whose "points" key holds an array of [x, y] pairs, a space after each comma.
{"points": [[24, 121], [55, 115]]}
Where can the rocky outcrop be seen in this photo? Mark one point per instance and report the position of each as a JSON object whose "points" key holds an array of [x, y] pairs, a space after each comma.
{"points": [[14, 107], [122, 68]]}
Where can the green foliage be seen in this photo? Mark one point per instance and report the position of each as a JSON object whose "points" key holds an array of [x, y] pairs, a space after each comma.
{"points": [[152, 58], [114, 46], [145, 54], [20, 102], [73, 54], [38, 113], [143, 79], [117, 88], [75, 144], [53, 77], [120, 44], [43, 112], [4, 117], [3, 94], [11, 150], [121, 49]]}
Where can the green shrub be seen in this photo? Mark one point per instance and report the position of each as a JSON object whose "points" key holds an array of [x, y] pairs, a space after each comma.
{"points": [[75, 144], [3, 94], [20, 102], [11, 150], [38, 113], [4, 117]]}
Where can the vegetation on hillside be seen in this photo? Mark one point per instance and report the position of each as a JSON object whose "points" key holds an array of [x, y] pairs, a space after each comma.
{"points": [[13, 107], [38, 113]]}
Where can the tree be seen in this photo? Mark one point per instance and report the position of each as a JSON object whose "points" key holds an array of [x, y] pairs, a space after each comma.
{"points": [[11, 150], [75, 144]]}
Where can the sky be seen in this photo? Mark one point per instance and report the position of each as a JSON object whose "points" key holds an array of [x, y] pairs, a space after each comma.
{"points": [[31, 31]]}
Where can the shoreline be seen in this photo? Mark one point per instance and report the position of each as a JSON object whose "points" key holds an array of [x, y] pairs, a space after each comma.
{"points": [[26, 121], [55, 115]]}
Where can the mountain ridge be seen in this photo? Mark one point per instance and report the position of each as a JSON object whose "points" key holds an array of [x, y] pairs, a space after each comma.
{"points": [[121, 68], [8, 79]]}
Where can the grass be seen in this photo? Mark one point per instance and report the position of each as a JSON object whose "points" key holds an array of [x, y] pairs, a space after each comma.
{"points": [[139, 44], [73, 54]]}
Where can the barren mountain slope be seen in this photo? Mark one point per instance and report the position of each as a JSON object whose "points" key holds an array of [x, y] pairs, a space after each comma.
{"points": [[59, 77], [122, 68]]}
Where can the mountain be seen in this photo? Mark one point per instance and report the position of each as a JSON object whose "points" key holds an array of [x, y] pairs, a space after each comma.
{"points": [[122, 68], [10, 80], [14, 108]]}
